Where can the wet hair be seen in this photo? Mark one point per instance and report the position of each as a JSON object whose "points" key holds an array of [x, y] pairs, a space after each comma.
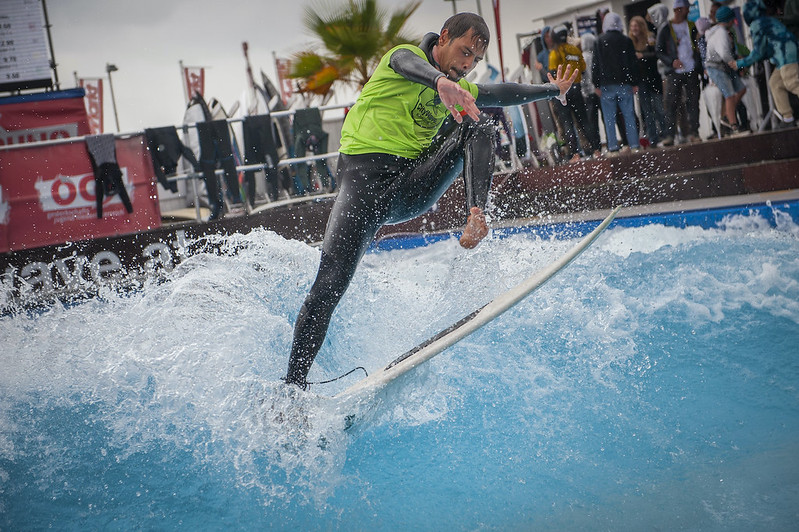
{"points": [[460, 24]]}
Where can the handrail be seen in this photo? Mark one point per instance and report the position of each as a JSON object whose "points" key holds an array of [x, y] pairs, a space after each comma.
{"points": [[259, 166], [68, 140]]}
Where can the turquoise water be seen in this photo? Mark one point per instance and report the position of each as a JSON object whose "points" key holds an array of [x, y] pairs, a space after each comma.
{"points": [[652, 385]]}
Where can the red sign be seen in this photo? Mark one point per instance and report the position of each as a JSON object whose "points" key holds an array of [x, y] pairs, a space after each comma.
{"points": [[47, 195], [38, 117], [94, 103], [283, 67], [194, 81]]}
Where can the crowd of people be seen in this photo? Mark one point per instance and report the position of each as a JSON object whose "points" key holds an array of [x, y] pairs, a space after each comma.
{"points": [[647, 78]]}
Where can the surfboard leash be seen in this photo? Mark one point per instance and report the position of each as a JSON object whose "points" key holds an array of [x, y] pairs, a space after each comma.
{"points": [[353, 370]]}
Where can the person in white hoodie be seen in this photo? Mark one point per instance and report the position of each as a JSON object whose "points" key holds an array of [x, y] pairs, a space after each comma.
{"points": [[719, 55]]}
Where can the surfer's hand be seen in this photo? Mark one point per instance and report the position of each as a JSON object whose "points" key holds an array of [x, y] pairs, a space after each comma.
{"points": [[476, 229], [452, 94], [563, 80]]}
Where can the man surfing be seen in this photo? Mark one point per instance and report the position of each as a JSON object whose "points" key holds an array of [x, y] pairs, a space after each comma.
{"points": [[397, 159]]}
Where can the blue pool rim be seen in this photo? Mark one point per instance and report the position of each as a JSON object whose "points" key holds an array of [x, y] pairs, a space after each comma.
{"points": [[704, 218]]}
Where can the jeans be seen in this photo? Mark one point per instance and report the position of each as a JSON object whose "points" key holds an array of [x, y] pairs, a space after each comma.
{"points": [[652, 114], [621, 97]]}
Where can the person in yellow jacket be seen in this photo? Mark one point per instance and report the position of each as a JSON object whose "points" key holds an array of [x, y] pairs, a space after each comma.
{"points": [[573, 115]]}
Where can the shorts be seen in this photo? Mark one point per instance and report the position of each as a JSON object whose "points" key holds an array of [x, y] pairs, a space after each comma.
{"points": [[728, 81]]}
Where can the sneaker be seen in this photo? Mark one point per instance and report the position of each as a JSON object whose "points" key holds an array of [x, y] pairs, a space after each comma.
{"points": [[667, 141], [785, 124], [236, 210], [737, 131], [780, 116], [725, 123]]}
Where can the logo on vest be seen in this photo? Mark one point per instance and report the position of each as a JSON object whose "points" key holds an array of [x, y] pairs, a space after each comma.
{"points": [[426, 113]]}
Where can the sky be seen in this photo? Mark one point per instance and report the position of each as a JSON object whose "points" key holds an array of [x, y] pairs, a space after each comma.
{"points": [[146, 39]]}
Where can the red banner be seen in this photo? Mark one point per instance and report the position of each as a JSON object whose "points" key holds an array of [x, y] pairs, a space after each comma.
{"points": [[38, 117], [94, 103], [194, 81], [283, 67], [47, 195]]}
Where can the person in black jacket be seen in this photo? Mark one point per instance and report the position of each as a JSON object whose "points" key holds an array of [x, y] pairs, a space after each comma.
{"points": [[615, 74], [678, 50], [650, 89]]}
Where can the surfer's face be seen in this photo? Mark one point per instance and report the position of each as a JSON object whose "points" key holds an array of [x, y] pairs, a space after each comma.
{"points": [[457, 57]]}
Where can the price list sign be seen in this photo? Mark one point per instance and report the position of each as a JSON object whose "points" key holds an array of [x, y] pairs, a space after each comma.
{"points": [[24, 56]]}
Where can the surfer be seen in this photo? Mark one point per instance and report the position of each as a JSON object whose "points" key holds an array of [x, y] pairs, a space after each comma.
{"points": [[397, 158]]}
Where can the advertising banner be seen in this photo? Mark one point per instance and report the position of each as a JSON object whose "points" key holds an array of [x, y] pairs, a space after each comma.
{"points": [[194, 81], [46, 116], [283, 67], [94, 103], [47, 195]]}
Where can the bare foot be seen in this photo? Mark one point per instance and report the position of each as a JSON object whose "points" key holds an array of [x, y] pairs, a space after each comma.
{"points": [[476, 229]]}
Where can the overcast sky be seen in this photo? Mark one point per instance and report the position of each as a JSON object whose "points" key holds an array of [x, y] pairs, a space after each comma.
{"points": [[146, 39]]}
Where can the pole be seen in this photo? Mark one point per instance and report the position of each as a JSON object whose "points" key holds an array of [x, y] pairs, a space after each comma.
{"points": [[184, 81], [499, 38], [53, 64], [112, 68], [454, 6]]}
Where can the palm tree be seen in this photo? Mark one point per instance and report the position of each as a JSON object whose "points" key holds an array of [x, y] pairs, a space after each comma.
{"points": [[355, 36]]}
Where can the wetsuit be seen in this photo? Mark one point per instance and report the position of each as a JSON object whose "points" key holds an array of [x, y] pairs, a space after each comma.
{"points": [[396, 161]]}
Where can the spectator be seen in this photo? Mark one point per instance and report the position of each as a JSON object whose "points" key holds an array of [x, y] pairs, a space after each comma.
{"points": [[615, 75], [714, 6], [587, 41], [573, 113], [542, 66], [720, 54], [711, 94], [678, 49], [739, 49], [542, 59], [600, 18], [772, 40], [790, 16], [650, 90]]}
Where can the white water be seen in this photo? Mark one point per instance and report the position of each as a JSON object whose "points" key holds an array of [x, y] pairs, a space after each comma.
{"points": [[163, 407]]}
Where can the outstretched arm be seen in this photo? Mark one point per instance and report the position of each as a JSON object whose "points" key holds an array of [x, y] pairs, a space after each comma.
{"points": [[506, 94]]}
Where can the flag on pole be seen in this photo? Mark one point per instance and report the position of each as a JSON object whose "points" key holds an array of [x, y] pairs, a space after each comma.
{"points": [[194, 82], [283, 67], [94, 102]]}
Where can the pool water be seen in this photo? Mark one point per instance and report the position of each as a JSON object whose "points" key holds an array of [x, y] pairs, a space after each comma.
{"points": [[653, 384]]}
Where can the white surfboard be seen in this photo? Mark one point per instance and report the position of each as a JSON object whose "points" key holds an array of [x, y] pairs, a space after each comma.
{"points": [[466, 326]]}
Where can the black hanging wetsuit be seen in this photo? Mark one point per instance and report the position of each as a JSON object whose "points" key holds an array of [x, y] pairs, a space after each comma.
{"points": [[381, 188]]}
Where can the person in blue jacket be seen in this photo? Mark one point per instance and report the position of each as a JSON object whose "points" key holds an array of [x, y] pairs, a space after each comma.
{"points": [[771, 40]]}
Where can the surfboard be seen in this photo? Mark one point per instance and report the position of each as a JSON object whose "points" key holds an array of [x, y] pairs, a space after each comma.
{"points": [[469, 324]]}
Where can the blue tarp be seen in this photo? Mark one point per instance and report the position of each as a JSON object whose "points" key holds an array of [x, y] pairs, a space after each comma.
{"points": [[77, 92]]}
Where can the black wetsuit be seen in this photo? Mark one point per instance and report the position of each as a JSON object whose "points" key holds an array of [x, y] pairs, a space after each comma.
{"points": [[378, 189]]}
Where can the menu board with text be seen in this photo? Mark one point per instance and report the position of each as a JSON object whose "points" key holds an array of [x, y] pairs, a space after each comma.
{"points": [[24, 54]]}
